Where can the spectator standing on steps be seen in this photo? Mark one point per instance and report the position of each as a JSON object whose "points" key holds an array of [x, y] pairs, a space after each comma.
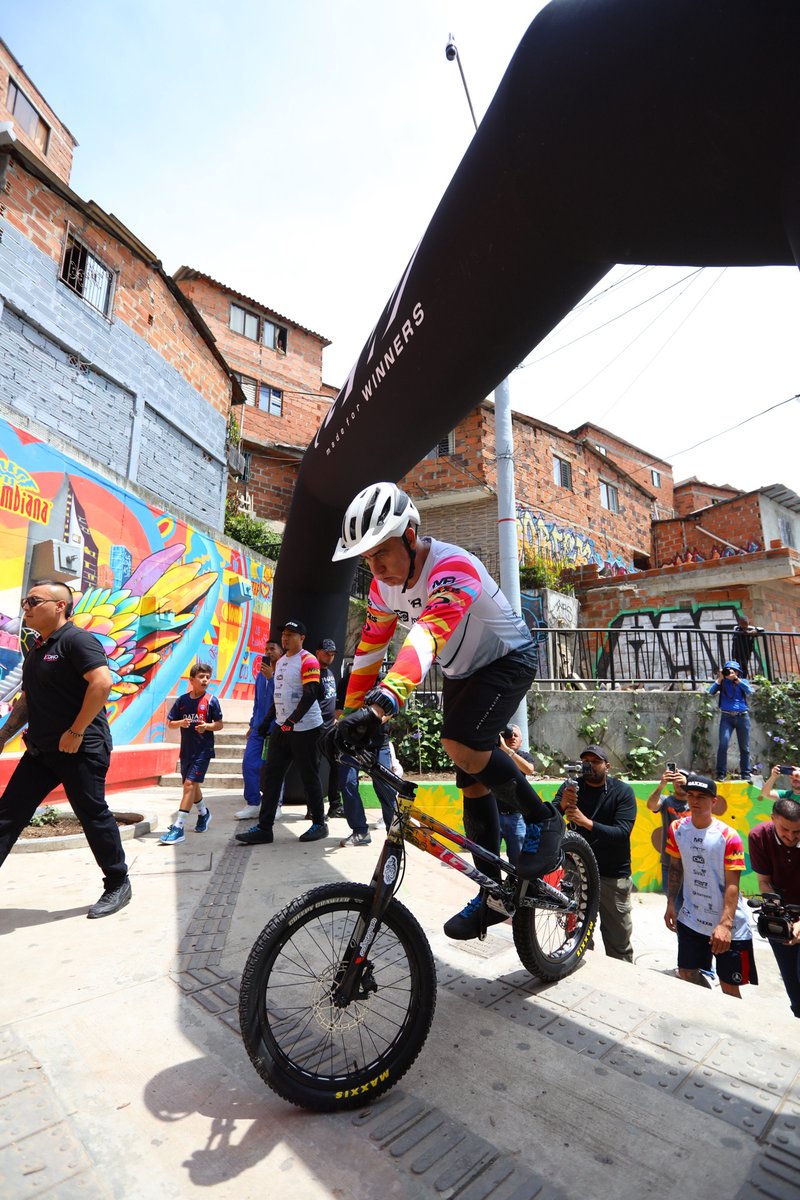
{"points": [[295, 738], [734, 715], [198, 716], [65, 685], [671, 805], [706, 861], [254, 746], [775, 857], [603, 810], [326, 652]]}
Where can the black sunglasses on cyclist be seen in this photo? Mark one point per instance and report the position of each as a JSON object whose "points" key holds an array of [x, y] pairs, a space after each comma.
{"points": [[33, 601]]}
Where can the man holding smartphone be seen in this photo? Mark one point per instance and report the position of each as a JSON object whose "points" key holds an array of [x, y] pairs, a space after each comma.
{"points": [[790, 784]]}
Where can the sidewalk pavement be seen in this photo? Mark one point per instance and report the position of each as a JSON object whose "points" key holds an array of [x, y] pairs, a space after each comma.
{"points": [[122, 1072]]}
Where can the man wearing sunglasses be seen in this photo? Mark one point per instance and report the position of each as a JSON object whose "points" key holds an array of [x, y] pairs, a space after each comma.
{"points": [[65, 685]]}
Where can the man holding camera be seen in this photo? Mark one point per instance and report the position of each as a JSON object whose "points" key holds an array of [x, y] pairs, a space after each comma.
{"points": [[775, 857], [734, 715], [790, 788], [706, 861], [603, 810]]}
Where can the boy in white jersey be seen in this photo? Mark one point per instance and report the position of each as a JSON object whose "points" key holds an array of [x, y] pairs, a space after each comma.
{"points": [[707, 857], [454, 613]]}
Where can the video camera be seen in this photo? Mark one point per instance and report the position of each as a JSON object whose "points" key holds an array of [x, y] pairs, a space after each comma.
{"points": [[574, 770], [775, 919]]}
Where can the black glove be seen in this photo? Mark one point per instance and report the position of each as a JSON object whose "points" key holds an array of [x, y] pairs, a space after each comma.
{"points": [[263, 729], [359, 730]]}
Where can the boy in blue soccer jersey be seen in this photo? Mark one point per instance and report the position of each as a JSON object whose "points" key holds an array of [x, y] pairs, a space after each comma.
{"points": [[198, 716]]}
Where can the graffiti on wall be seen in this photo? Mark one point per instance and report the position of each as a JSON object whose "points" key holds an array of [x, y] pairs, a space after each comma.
{"points": [[653, 638], [156, 592], [690, 554], [536, 536]]}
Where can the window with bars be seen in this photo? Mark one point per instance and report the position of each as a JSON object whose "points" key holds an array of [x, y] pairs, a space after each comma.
{"points": [[86, 275], [27, 117], [609, 496], [562, 472], [244, 322]]}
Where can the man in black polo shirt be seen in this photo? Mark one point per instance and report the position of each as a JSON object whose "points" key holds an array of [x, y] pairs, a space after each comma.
{"points": [[603, 810], [65, 684]]}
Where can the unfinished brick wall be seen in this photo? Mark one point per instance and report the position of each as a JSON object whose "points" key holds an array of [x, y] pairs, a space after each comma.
{"points": [[637, 463], [61, 144], [711, 532], [691, 494]]}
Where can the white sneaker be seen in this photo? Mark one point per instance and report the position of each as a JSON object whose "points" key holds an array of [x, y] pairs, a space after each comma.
{"points": [[379, 824], [250, 813]]}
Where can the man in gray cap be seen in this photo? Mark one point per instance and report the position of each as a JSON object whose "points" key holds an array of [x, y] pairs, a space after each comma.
{"points": [[603, 810]]}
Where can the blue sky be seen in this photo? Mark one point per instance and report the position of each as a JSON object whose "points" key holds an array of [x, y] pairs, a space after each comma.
{"points": [[297, 151]]}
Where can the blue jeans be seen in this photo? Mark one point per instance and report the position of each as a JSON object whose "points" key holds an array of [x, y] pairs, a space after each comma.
{"points": [[251, 769], [512, 832], [351, 797], [728, 721], [788, 960]]}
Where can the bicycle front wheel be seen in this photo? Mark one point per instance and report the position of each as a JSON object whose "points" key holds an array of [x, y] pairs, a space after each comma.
{"points": [[551, 944], [307, 1049]]}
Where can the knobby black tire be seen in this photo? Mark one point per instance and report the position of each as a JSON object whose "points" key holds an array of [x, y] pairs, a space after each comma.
{"points": [[551, 944], [307, 1050]]}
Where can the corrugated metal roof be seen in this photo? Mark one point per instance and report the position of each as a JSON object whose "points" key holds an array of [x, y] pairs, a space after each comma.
{"points": [[782, 495]]}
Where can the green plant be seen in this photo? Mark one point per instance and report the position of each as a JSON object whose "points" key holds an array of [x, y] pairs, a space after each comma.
{"points": [[644, 757], [776, 706], [589, 730], [416, 733], [545, 571], [45, 816], [234, 432], [702, 753], [243, 527]]}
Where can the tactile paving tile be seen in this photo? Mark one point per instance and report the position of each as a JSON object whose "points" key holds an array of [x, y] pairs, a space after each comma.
{"points": [[566, 992], [529, 1012], [588, 1036], [480, 991], [9, 1043], [18, 1071], [785, 1128], [28, 1111], [775, 1175], [38, 1162], [772, 1069], [611, 1010], [653, 1065], [680, 1036], [748, 1108], [85, 1186]]}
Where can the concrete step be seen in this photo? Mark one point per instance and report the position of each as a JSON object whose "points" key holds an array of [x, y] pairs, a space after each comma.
{"points": [[227, 781]]}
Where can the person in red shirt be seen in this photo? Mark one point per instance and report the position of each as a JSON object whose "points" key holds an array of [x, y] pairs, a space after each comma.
{"points": [[775, 857]]}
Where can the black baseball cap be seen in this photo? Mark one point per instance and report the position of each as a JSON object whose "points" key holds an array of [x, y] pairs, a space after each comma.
{"points": [[327, 644], [296, 627], [700, 783], [598, 751]]}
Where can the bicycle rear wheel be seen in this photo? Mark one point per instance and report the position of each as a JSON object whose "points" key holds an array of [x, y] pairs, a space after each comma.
{"points": [[307, 1049], [551, 944]]}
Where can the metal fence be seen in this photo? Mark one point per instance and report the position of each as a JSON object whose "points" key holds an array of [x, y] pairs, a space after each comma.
{"points": [[671, 658]]}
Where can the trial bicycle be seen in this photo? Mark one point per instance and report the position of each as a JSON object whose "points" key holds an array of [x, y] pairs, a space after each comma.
{"points": [[339, 989]]}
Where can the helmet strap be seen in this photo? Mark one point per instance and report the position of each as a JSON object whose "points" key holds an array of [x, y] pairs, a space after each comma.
{"points": [[412, 555]]}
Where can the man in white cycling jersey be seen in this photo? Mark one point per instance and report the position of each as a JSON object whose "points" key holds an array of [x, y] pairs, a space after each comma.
{"points": [[457, 615]]}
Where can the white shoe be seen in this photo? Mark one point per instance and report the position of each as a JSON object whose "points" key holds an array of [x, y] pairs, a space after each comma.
{"points": [[248, 814], [379, 824]]}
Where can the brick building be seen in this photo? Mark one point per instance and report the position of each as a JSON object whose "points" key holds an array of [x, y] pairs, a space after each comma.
{"points": [[278, 364], [691, 494], [653, 474], [742, 524], [100, 347], [574, 503], [31, 118]]}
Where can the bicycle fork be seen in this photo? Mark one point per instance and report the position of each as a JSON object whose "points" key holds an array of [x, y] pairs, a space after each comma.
{"points": [[353, 977]]}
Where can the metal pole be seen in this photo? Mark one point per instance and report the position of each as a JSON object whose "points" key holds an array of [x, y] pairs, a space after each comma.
{"points": [[504, 453]]}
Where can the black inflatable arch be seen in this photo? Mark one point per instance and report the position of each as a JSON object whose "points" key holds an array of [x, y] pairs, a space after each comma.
{"points": [[640, 131]]}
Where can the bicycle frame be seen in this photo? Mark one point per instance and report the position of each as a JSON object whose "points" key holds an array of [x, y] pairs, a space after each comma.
{"points": [[413, 825]]}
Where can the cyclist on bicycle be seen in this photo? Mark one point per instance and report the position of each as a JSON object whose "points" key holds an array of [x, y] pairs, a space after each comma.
{"points": [[455, 613]]}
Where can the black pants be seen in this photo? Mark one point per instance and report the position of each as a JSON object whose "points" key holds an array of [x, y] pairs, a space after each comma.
{"points": [[83, 776], [302, 747]]}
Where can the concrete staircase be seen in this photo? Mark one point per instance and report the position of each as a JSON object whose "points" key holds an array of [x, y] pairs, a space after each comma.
{"points": [[225, 771]]}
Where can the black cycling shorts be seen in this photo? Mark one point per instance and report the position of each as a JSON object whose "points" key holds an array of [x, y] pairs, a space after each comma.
{"points": [[737, 965], [477, 708]]}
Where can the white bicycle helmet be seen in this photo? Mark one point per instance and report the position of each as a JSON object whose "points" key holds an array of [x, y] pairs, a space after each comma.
{"points": [[378, 512]]}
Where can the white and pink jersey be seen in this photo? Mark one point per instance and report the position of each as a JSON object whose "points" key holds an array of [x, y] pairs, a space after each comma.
{"points": [[455, 613], [706, 854]]}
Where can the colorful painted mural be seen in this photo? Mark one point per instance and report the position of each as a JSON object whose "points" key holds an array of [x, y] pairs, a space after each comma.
{"points": [[157, 592], [538, 536], [737, 805]]}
